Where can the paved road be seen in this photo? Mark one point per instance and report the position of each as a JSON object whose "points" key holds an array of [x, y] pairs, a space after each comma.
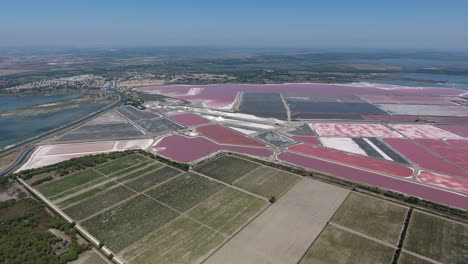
{"points": [[29, 150]]}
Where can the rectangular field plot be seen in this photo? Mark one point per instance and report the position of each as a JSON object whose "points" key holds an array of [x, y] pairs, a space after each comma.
{"points": [[444, 181], [422, 157], [267, 182], [182, 241], [371, 216], [226, 168], [452, 154], [101, 132], [461, 130], [133, 168], [153, 178], [99, 202], [354, 160], [374, 179], [418, 110], [344, 144], [189, 119], [300, 107], [437, 238], [459, 143], [137, 172], [185, 192], [132, 113], [83, 194], [341, 247], [127, 223], [352, 130], [121, 163], [227, 210], [68, 182], [284, 231], [263, 104], [158, 125], [225, 135], [423, 131]]}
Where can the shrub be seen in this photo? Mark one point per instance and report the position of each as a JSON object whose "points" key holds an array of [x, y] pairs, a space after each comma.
{"points": [[272, 199], [48, 178]]}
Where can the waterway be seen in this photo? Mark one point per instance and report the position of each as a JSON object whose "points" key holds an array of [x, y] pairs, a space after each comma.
{"points": [[14, 128]]}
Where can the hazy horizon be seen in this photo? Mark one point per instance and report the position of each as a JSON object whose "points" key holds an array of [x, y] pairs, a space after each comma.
{"points": [[415, 25]]}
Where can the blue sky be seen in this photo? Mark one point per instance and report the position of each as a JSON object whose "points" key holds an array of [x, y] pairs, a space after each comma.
{"points": [[424, 24]]}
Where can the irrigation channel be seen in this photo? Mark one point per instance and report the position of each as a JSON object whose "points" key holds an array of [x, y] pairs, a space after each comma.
{"points": [[25, 154]]}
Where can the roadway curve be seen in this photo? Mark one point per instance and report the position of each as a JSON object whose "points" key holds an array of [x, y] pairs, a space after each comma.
{"points": [[25, 154]]}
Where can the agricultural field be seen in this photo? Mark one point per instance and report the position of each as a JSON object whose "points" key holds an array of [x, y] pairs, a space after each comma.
{"points": [[372, 216], [153, 178], [139, 199], [227, 210], [406, 258], [185, 192], [128, 222], [99, 202], [338, 246], [120, 164], [267, 182], [194, 242], [226, 168], [285, 230], [446, 242], [68, 182]]}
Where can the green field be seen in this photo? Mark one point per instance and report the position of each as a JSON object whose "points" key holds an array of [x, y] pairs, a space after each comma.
{"points": [[68, 182], [131, 169], [406, 258], [227, 210], [267, 182], [194, 242], [341, 247], [226, 168], [371, 216], [84, 195], [152, 179], [125, 224], [99, 202], [437, 238], [121, 163], [95, 259], [78, 188], [137, 172], [185, 192]]}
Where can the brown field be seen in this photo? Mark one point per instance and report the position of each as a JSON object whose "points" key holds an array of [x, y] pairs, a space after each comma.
{"points": [[284, 231]]}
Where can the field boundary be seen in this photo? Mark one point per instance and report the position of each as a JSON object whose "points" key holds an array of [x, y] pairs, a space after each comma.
{"points": [[399, 198]]}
